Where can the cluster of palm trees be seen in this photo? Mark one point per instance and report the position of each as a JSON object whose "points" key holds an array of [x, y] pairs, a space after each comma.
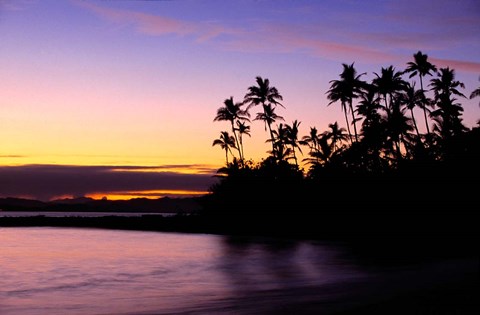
{"points": [[380, 112]]}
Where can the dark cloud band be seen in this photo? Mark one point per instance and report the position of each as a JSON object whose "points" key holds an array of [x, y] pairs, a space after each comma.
{"points": [[47, 181]]}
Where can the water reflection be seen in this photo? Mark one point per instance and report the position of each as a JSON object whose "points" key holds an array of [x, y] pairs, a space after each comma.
{"points": [[88, 271], [275, 275], [93, 271], [266, 264]]}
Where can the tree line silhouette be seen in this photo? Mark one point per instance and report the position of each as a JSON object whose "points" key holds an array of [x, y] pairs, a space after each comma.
{"points": [[384, 165]]}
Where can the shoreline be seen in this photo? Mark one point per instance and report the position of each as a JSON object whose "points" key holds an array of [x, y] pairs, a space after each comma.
{"points": [[414, 239]]}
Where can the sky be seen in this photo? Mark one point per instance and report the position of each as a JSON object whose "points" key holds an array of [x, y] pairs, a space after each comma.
{"points": [[117, 98]]}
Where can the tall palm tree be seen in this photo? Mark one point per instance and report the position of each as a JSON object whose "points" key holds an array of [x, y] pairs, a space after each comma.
{"points": [[412, 98], [421, 67], [226, 142], [334, 95], [267, 96], [269, 117], [233, 112], [447, 116], [346, 89]]}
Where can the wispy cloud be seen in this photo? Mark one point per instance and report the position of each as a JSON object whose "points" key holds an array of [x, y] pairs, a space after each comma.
{"points": [[457, 64], [45, 182], [156, 25], [398, 30]]}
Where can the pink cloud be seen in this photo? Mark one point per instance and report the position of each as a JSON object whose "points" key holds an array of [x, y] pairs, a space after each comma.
{"points": [[145, 23], [156, 25], [459, 65], [269, 38]]}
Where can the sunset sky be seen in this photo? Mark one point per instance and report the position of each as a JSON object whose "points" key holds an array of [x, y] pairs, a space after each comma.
{"points": [[117, 98]]}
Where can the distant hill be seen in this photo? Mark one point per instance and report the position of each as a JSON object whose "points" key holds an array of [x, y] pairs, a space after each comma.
{"points": [[160, 205]]}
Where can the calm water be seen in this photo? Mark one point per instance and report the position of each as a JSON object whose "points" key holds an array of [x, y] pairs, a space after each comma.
{"points": [[94, 271]]}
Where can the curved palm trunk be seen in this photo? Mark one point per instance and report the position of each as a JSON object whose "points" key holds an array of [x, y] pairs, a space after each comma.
{"points": [[346, 121], [237, 142], [415, 123], [272, 138], [354, 121], [241, 147], [424, 108]]}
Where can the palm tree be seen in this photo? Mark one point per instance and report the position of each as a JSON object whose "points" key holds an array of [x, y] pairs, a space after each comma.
{"points": [[411, 98], [447, 116], [267, 96], [388, 84], [345, 90], [281, 140], [311, 140], [292, 137], [226, 142], [335, 95], [399, 127], [369, 107], [324, 153], [421, 67], [269, 117], [446, 85], [336, 135], [233, 112], [242, 129]]}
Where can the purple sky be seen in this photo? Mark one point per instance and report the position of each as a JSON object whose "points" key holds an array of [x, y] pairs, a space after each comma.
{"points": [[138, 83]]}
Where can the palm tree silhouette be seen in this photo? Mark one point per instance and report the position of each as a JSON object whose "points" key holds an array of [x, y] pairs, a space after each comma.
{"points": [[242, 129], [269, 117], [233, 112], [399, 127], [389, 84], [281, 139], [447, 116], [311, 140], [336, 135], [345, 90], [267, 96], [292, 138], [226, 142], [369, 107], [324, 153], [421, 67], [446, 84], [412, 98]]}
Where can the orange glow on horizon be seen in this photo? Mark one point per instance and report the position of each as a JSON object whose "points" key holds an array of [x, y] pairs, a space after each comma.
{"points": [[148, 194]]}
